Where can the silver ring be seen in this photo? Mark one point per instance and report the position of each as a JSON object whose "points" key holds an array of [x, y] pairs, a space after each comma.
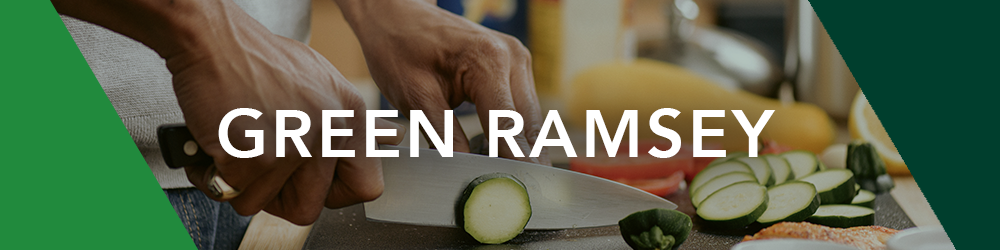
{"points": [[219, 188]]}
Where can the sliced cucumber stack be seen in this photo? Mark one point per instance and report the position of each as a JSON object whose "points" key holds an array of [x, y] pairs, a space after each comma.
{"points": [[864, 198], [760, 168], [494, 208], [782, 171], [729, 156], [843, 216], [717, 183], [716, 170], [803, 163], [835, 186], [734, 206], [792, 201]]}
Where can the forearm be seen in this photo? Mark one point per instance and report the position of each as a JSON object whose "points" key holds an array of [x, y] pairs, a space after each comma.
{"points": [[359, 12], [168, 27]]}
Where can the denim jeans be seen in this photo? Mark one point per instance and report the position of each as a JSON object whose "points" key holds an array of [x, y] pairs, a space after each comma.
{"points": [[213, 225]]}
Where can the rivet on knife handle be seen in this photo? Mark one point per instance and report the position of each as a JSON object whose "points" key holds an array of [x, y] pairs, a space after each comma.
{"points": [[179, 148]]}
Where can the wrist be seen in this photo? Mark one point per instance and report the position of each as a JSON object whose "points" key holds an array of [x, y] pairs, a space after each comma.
{"points": [[167, 27], [357, 12]]}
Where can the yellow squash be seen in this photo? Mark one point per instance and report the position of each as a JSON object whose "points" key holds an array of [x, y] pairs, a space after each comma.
{"points": [[647, 85]]}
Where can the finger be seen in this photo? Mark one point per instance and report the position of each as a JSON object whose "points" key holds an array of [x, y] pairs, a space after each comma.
{"points": [[432, 102], [488, 86], [301, 199], [355, 179], [522, 87], [386, 124], [242, 174], [197, 176]]}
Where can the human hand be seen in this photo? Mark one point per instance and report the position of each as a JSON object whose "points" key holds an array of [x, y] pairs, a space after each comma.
{"points": [[222, 59], [245, 66], [425, 58]]}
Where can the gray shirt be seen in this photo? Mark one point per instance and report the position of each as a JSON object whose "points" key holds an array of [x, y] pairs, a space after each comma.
{"points": [[139, 86]]}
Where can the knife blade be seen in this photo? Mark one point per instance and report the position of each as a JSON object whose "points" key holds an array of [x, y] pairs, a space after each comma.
{"points": [[424, 191]]}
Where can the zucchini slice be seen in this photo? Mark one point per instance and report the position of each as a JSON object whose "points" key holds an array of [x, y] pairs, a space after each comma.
{"points": [[792, 201], [717, 183], [760, 168], [835, 186], [803, 163], [729, 156], [494, 208], [716, 170], [864, 198], [843, 216], [780, 167], [734, 206]]}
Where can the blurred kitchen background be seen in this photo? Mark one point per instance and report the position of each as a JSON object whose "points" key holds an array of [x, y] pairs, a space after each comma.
{"points": [[771, 48], [761, 46]]}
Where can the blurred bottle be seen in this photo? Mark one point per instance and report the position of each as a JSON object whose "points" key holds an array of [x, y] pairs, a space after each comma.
{"points": [[507, 16], [567, 36], [813, 63]]}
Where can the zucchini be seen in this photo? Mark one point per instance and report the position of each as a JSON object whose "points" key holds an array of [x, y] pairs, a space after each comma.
{"points": [[868, 167], [728, 157], [494, 208], [734, 206], [760, 169], [782, 171], [803, 163], [864, 198], [717, 183], [843, 216], [793, 201], [716, 170], [835, 186], [655, 229]]}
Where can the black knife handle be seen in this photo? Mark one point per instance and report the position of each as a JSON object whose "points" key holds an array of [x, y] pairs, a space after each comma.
{"points": [[179, 148]]}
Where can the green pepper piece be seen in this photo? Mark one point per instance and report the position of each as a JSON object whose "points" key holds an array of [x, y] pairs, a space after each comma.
{"points": [[655, 229]]}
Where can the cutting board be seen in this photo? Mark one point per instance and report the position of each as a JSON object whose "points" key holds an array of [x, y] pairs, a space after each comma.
{"points": [[347, 228]]}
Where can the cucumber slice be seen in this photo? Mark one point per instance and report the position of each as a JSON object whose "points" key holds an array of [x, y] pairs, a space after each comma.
{"points": [[835, 186], [780, 167], [717, 183], [760, 169], [802, 162], [716, 170], [792, 201], [494, 208], [843, 216], [857, 189], [728, 157], [734, 206], [864, 198]]}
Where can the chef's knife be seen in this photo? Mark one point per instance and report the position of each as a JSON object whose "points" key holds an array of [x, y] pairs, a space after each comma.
{"points": [[424, 190]]}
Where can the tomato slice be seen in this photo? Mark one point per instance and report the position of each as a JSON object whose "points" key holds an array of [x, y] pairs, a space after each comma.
{"points": [[644, 166], [772, 147], [659, 187]]}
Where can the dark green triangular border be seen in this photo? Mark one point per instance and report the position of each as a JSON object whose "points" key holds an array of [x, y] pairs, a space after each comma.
{"points": [[927, 68]]}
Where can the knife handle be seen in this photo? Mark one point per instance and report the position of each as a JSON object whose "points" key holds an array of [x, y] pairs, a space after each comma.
{"points": [[179, 148]]}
